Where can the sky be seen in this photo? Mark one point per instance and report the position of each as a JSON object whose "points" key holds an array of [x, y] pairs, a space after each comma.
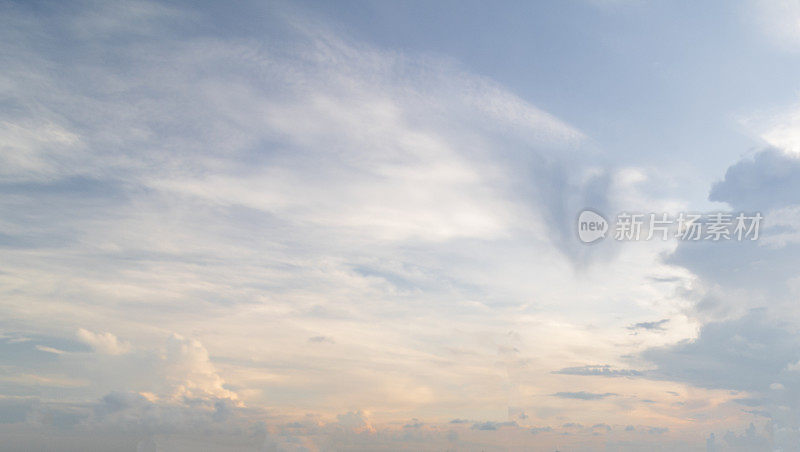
{"points": [[319, 226]]}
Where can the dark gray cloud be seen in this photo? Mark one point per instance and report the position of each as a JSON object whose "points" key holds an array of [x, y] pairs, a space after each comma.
{"points": [[602, 371], [116, 401], [770, 179], [650, 326], [563, 198], [749, 401], [748, 353], [484, 426], [415, 423], [733, 267], [747, 441], [749, 340], [583, 395], [492, 425], [16, 409]]}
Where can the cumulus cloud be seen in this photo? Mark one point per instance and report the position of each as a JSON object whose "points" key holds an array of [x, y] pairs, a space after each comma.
{"points": [[105, 343], [732, 277], [744, 297], [190, 371], [748, 353], [748, 440], [355, 420], [767, 180]]}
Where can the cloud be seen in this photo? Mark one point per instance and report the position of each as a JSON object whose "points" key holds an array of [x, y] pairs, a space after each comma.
{"points": [[602, 370], [745, 354], [189, 370], [105, 343], [767, 181], [185, 396], [583, 395], [731, 278], [30, 147], [748, 440], [778, 21], [231, 181], [402, 166], [492, 425], [744, 298], [15, 410], [649, 326], [115, 402], [415, 423], [356, 421], [52, 350], [602, 426], [251, 192], [777, 129]]}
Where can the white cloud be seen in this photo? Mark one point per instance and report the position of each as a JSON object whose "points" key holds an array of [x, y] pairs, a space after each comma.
{"points": [[793, 367], [105, 343], [777, 127], [779, 20], [34, 150], [190, 372], [52, 350]]}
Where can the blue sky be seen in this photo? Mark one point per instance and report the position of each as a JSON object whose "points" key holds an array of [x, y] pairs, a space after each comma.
{"points": [[351, 226]]}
